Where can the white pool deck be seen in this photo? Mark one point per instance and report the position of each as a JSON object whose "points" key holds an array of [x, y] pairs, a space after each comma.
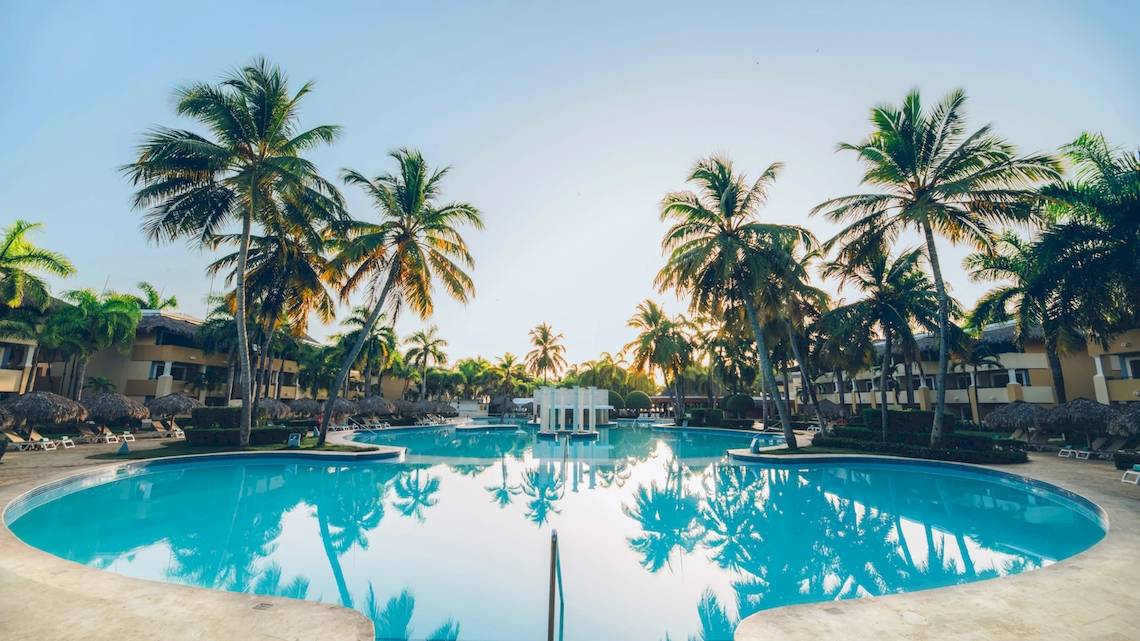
{"points": [[1092, 596]]}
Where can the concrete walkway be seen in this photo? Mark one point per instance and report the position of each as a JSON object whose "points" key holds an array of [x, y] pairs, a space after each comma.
{"points": [[46, 598], [1092, 596]]}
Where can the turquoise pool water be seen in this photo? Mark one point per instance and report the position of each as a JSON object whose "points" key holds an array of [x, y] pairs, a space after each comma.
{"points": [[661, 537]]}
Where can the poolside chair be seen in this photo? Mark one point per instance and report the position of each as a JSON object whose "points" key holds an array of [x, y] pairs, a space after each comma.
{"points": [[1106, 453], [1131, 476], [66, 442], [19, 442], [161, 429], [1018, 435], [44, 443], [1083, 453], [127, 437], [108, 435]]}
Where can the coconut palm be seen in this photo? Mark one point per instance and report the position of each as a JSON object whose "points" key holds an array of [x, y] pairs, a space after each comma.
{"points": [[151, 298], [426, 350], [1037, 294], [549, 354], [660, 344], [508, 373], [99, 385], [938, 178], [379, 346], [475, 373], [23, 265], [721, 255], [415, 244], [97, 322], [897, 296], [248, 169]]}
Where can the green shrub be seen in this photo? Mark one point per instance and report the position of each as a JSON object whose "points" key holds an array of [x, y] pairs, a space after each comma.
{"points": [[914, 451], [698, 416], [1125, 460], [637, 400], [737, 423], [738, 404], [216, 418], [858, 433], [907, 422], [714, 416], [616, 400], [232, 437]]}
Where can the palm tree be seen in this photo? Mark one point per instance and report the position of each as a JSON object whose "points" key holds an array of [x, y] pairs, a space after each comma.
{"points": [[97, 322], [548, 355], [937, 178], [508, 373], [151, 298], [379, 345], [416, 243], [897, 296], [426, 349], [1039, 292], [21, 266], [250, 171], [724, 257], [660, 344], [475, 373], [99, 384], [976, 355]]}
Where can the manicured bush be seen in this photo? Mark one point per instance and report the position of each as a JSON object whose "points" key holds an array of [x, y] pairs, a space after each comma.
{"points": [[616, 400], [637, 400], [737, 423], [232, 437], [992, 456], [907, 422], [1125, 460], [737, 404], [858, 433], [714, 416], [698, 416], [216, 418]]}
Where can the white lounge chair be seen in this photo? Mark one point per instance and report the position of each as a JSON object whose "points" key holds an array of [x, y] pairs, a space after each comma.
{"points": [[66, 442], [1067, 452], [42, 441], [1131, 476], [127, 436], [19, 442]]}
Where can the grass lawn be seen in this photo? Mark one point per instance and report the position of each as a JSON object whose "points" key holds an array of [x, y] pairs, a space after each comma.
{"points": [[179, 447]]}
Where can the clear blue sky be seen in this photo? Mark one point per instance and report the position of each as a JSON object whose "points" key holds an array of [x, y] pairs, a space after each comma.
{"points": [[565, 123]]}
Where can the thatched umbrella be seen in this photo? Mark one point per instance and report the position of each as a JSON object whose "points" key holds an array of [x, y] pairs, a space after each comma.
{"points": [[375, 406], [274, 408], [306, 406], [1127, 420], [444, 409], [1080, 416], [343, 406], [831, 410], [45, 407], [407, 408], [1017, 415], [172, 405], [110, 406]]}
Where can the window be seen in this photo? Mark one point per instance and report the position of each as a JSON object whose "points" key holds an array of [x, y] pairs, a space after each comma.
{"points": [[1131, 366], [156, 368], [1001, 379], [963, 381], [13, 356]]}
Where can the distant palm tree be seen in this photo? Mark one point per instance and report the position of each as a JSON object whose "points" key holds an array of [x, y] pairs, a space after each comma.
{"points": [[151, 298], [97, 322], [661, 344], [426, 350], [99, 384], [508, 373], [249, 171], [938, 179], [379, 346], [416, 243], [21, 264], [548, 355], [724, 257]]}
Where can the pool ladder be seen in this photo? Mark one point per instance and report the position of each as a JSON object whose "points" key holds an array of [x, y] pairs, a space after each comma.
{"points": [[556, 596]]}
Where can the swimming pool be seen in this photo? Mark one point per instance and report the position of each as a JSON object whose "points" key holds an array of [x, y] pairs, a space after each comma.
{"points": [[660, 536]]}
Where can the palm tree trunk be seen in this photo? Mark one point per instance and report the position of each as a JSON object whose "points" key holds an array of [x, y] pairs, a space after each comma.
{"points": [[368, 374], [770, 378], [334, 560], [239, 318], [1054, 359], [907, 369], [943, 333], [883, 379], [842, 392], [230, 377], [423, 381], [709, 383], [80, 372], [350, 358], [809, 385]]}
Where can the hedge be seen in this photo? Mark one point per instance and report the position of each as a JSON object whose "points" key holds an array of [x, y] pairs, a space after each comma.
{"points": [[616, 400], [915, 451], [637, 400], [737, 423], [257, 436], [216, 418], [1125, 460], [737, 403], [858, 433], [907, 422], [701, 416]]}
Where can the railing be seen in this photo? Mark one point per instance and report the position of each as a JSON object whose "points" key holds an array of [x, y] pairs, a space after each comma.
{"points": [[555, 586]]}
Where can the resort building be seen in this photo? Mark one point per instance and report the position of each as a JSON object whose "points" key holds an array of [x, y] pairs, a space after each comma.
{"points": [[17, 356], [1116, 369], [571, 408]]}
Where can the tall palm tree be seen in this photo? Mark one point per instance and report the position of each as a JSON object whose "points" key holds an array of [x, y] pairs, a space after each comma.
{"points": [[21, 266], [724, 257], [508, 373], [151, 298], [379, 345], [660, 344], [97, 322], [247, 170], [548, 355], [938, 178], [415, 244], [897, 297], [426, 349]]}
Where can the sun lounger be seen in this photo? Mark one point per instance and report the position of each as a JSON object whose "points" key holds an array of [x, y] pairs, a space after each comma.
{"points": [[1106, 453], [96, 437], [41, 440], [108, 435], [66, 442], [19, 442], [127, 436], [1131, 476]]}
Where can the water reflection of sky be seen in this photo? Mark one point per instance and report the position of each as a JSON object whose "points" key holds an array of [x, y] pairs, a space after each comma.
{"points": [[654, 545]]}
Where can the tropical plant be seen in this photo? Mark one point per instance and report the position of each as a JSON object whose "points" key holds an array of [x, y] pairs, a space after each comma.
{"points": [[416, 243], [379, 346], [426, 349], [939, 179], [549, 354], [721, 255], [96, 322], [661, 344], [99, 384], [249, 170], [151, 298], [508, 373], [22, 266]]}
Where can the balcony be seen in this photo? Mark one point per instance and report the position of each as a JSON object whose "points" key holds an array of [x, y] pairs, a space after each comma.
{"points": [[176, 353], [10, 380], [1123, 389]]}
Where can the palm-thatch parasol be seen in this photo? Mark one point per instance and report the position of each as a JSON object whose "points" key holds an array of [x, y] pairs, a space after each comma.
{"points": [[110, 406], [45, 407], [274, 408], [1080, 415], [306, 406], [407, 408], [831, 410], [1017, 415], [172, 405], [343, 406], [375, 406], [1127, 420]]}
